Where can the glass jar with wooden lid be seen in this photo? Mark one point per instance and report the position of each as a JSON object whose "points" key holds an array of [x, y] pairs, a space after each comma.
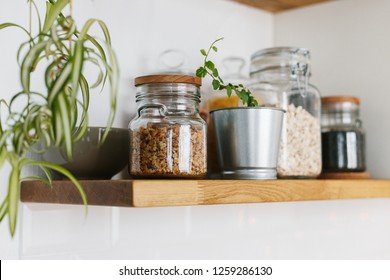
{"points": [[167, 136], [343, 137]]}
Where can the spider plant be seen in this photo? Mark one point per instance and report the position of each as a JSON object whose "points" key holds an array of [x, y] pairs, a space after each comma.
{"points": [[56, 115]]}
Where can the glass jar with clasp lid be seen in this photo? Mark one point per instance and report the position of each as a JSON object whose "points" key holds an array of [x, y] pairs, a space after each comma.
{"points": [[280, 78], [343, 137], [168, 136]]}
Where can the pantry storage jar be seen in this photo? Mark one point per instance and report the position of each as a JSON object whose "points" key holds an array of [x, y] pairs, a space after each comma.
{"points": [[343, 137], [280, 77], [167, 136]]}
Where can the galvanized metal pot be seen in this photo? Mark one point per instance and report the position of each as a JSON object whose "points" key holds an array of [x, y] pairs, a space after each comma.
{"points": [[248, 141]]}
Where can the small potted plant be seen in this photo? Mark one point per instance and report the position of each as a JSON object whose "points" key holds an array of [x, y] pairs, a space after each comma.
{"points": [[56, 115], [248, 138]]}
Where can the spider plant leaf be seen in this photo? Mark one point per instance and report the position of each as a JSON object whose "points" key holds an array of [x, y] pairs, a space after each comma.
{"points": [[67, 174], [52, 13], [13, 196], [85, 95], [65, 121], [114, 81], [97, 45], [106, 33], [28, 64], [72, 106], [50, 73], [10, 24], [36, 178], [60, 82], [78, 62], [20, 140], [101, 55], [38, 17], [3, 138], [57, 124], [82, 128], [3, 156], [4, 208], [100, 76]]}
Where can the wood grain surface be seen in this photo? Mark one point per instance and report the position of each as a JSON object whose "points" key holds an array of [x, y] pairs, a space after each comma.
{"points": [[103, 192], [152, 193], [279, 5], [204, 192]]}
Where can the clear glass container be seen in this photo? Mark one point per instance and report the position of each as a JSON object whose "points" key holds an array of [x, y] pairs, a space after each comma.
{"points": [[280, 78], [343, 137], [168, 136]]}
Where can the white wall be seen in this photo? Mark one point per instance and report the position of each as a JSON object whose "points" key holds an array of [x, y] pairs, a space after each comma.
{"points": [[141, 29]]}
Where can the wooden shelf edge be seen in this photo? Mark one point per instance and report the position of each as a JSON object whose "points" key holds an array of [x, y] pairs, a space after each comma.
{"points": [[102, 192], [149, 193], [279, 5], [156, 193]]}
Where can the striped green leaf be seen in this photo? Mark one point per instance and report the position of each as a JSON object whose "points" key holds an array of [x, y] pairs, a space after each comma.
{"points": [[60, 82], [13, 196], [67, 174], [78, 62], [66, 126], [9, 24], [4, 208], [52, 13], [28, 64]]}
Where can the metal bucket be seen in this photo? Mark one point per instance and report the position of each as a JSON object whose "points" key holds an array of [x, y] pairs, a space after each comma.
{"points": [[248, 141]]}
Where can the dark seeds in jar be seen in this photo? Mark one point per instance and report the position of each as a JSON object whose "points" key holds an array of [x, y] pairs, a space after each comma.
{"points": [[343, 151], [168, 150]]}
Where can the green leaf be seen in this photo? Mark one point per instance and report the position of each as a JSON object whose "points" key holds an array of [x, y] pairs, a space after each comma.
{"points": [[60, 82], [203, 52], [13, 196], [52, 13], [97, 45], [229, 90], [28, 64], [66, 124], [77, 67], [200, 72], [215, 72], [210, 65], [216, 84], [67, 174], [3, 208], [3, 156], [114, 83], [9, 24], [57, 124]]}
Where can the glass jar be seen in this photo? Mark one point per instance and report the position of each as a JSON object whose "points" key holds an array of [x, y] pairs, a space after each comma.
{"points": [[168, 136], [280, 78], [343, 138]]}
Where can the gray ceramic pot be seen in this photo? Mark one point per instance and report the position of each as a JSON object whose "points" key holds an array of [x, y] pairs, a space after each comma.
{"points": [[92, 160], [248, 140]]}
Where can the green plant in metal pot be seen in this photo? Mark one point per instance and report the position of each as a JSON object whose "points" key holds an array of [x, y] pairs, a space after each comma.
{"points": [[247, 138], [57, 114], [209, 69]]}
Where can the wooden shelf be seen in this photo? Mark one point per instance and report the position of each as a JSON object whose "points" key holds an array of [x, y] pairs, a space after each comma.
{"points": [[151, 193], [279, 5]]}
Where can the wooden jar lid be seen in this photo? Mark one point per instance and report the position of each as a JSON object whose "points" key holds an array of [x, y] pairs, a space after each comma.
{"points": [[152, 79], [340, 99]]}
